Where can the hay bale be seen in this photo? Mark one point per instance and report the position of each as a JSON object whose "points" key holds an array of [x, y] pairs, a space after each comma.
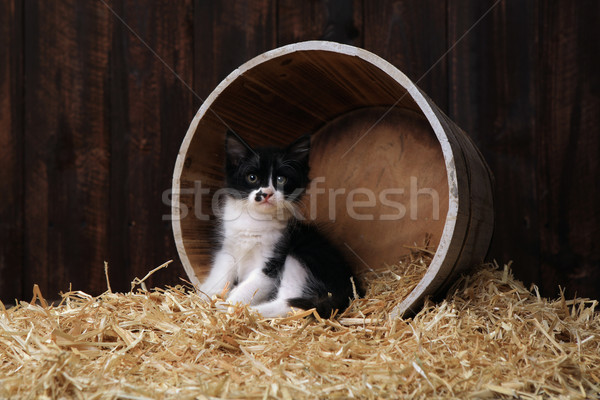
{"points": [[490, 338]]}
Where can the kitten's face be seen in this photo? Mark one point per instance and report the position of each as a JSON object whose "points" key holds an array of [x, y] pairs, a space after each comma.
{"points": [[268, 180]]}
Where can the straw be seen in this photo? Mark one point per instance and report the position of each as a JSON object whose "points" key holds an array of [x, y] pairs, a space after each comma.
{"points": [[491, 338]]}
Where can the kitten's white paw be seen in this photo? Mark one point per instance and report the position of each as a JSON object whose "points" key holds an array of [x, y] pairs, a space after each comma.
{"points": [[274, 309]]}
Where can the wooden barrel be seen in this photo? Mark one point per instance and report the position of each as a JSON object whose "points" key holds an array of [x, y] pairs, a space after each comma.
{"points": [[388, 167]]}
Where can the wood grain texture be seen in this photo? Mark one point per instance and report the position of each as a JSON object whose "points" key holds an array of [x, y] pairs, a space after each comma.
{"points": [[395, 176], [227, 34], [499, 117], [413, 38], [11, 151], [151, 104], [567, 134], [334, 20], [67, 142], [528, 95]]}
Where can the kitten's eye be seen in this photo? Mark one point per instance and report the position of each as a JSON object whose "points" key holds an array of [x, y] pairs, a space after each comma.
{"points": [[281, 180], [251, 178]]}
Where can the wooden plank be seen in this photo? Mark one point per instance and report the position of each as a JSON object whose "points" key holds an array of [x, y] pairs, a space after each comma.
{"points": [[491, 96], [151, 106], [227, 34], [66, 141], [118, 254], [11, 151], [413, 38], [568, 146], [334, 20]]}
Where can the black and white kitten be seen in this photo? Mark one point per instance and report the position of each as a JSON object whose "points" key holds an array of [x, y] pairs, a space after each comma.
{"points": [[270, 259]]}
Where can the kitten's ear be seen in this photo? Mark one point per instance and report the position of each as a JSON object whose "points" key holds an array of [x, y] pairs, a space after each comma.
{"points": [[299, 149], [235, 148]]}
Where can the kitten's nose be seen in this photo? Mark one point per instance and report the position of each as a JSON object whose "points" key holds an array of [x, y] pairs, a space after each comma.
{"points": [[266, 194]]}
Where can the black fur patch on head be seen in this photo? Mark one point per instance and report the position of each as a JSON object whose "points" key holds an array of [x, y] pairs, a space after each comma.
{"points": [[248, 169]]}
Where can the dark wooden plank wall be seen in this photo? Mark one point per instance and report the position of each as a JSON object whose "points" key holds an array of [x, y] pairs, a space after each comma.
{"points": [[96, 97], [11, 150], [525, 83], [66, 145], [492, 73], [151, 105]]}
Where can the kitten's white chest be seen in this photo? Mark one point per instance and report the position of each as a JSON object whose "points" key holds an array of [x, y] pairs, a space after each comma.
{"points": [[250, 241], [248, 253]]}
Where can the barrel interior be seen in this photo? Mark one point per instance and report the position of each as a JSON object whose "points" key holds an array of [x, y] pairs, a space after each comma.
{"points": [[379, 176], [379, 185]]}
